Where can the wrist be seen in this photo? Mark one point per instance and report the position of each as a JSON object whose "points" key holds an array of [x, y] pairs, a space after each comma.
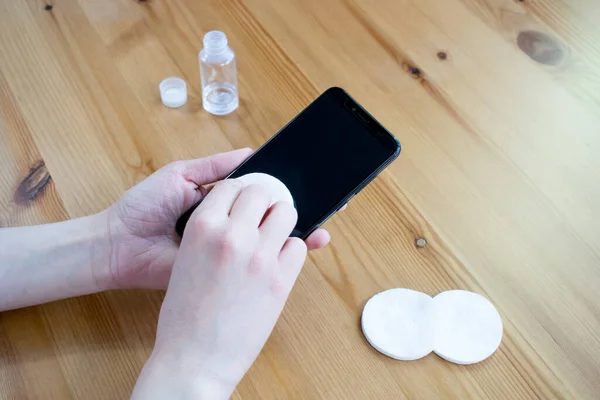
{"points": [[101, 250], [166, 375]]}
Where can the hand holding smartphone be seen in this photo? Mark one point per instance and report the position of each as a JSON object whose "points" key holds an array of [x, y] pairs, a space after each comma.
{"points": [[325, 156]]}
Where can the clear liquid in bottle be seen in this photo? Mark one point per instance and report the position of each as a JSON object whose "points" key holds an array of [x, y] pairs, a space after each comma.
{"points": [[218, 75]]}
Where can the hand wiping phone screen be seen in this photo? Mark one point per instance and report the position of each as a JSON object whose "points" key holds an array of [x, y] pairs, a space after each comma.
{"points": [[324, 156]]}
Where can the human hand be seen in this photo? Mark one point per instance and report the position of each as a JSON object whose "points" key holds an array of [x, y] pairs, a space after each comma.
{"points": [[142, 239], [234, 271]]}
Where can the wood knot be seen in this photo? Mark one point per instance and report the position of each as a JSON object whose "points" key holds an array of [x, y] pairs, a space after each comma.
{"points": [[442, 55], [33, 184], [420, 243], [540, 47], [48, 7], [414, 71]]}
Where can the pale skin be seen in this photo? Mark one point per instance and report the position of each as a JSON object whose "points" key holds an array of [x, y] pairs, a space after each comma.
{"points": [[232, 272]]}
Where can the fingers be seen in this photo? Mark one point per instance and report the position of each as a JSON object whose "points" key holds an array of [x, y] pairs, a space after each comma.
{"points": [[251, 205], [278, 225], [213, 168], [291, 259], [219, 201], [318, 239]]}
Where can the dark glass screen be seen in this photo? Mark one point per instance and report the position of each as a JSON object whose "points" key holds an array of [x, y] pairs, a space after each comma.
{"points": [[323, 156]]}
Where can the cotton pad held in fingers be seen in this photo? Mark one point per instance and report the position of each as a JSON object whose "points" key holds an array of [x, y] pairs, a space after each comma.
{"points": [[399, 324], [277, 189], [468, 327]]}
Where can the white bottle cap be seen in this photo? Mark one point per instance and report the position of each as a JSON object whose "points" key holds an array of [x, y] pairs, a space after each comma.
{"points": [[173, 92]]}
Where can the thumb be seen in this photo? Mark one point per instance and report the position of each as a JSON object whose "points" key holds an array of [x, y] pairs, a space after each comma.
{"points": [[202, 171]]}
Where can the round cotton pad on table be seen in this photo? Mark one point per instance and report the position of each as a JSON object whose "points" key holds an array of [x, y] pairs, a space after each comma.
{"points": [[398, 323], [277, 189], [468, 327]]}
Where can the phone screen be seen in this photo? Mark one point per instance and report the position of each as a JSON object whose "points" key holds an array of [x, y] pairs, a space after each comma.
{"points": [[326, 154]]}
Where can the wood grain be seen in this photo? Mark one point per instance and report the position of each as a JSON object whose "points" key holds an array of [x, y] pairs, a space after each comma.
{"points": [[496, 102]]}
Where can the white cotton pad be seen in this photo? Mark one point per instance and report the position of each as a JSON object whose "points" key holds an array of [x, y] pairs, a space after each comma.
{"points": [[468, 327], [277, 189], [399, 324]]}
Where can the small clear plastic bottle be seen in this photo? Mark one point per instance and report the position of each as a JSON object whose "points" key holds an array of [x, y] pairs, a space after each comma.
{"points": [[218, 75]]}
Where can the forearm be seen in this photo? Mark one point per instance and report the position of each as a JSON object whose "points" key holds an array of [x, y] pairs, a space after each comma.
{"points": [[43, 263], [168, 377]]}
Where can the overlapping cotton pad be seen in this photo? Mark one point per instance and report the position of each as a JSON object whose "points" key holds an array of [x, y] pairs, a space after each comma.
{"points": [[459, 326], [468, 327], [398, 323]]}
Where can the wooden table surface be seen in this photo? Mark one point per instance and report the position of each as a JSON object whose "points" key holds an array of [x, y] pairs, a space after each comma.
{"points": [[496, 102]]}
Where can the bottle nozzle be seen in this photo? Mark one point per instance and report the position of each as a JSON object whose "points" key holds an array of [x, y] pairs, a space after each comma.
{"points": [[215, 41]]}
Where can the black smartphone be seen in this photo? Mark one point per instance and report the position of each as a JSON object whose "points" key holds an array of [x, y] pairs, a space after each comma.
{"points": [[325, 156]]}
